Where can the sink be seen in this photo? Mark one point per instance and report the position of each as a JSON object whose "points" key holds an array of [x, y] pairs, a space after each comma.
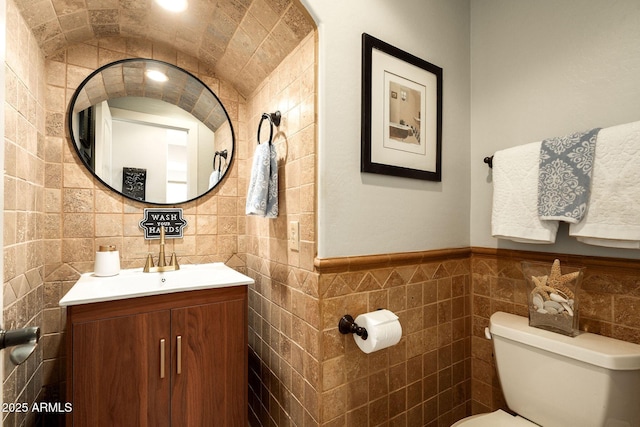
{"points": [[134, 283]]}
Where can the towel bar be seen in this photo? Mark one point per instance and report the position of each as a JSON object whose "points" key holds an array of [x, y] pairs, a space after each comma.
{"points": [[489, 161]]}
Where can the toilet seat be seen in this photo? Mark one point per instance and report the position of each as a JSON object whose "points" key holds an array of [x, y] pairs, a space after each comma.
{"points": [[498, 418]]}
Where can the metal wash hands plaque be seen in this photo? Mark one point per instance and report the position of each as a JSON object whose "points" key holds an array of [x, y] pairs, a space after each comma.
{"points": [[171, 219]]}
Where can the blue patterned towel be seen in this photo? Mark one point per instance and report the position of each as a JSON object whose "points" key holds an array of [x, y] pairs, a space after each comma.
{"points": [[262, 194], [564, 177]]}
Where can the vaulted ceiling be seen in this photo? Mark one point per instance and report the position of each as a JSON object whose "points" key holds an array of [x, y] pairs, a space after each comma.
{"points": [[242, 40]]}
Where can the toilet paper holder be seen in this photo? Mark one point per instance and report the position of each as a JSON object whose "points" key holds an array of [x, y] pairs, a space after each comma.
{"points": [[347, 325], [23, 340]]}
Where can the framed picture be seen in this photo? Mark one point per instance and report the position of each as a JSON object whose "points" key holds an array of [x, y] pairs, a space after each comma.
{"points": [[134, 183], [401, 113]]}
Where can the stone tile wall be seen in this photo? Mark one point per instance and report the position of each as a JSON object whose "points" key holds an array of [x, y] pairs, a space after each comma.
{"points": [[243, 40], [24, 252], [425, 379], [80, 213], [284, 322], [608, 302]]}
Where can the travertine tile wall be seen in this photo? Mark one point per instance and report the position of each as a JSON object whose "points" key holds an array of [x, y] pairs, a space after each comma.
{"points": [[284, 323], [609, 301], [244, 40], [24, 252], [422, 381], [81, 214]]}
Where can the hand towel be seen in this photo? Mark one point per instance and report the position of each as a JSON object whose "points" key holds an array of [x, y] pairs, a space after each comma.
{"points": [[613, 215], [515, 197], [564, 178], [262, 194], [214, 178]]}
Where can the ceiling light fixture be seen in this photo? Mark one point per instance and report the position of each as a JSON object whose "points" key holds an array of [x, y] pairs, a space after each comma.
{"points": [[173, 5], [157, 76]]}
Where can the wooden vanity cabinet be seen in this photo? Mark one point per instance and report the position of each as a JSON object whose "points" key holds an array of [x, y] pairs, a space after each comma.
{"points": [[176, 359]]}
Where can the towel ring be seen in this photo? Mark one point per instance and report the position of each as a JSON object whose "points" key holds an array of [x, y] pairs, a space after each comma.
{"points": [[220, 154], [274, 119]]}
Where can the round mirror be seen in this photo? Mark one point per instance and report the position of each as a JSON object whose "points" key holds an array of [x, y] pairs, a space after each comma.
{"points": [[151, 131]]}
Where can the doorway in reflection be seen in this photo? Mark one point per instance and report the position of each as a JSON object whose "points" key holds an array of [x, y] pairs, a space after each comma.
{"points": [[177, 165], [167, 150]]}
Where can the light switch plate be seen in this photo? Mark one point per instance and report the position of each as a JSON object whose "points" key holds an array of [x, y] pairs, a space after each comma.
{"points": [[294, 236]]}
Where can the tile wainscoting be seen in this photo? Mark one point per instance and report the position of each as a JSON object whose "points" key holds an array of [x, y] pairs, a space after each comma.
{"points": [[425, 379], [609, 300], [442, 370]]}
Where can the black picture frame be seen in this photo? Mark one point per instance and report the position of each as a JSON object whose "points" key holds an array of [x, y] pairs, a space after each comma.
{"points": [[134, 183], [401, 113]]}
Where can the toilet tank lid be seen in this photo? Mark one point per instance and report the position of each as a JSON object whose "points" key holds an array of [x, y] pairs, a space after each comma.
{"points": [[590, 348]]}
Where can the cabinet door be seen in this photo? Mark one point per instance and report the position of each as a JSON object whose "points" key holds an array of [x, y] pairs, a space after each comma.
{"points": [[117, 371], [210, 379]]}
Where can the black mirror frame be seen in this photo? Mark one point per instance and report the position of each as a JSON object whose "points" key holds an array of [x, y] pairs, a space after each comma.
{"points": [[74, 143]]}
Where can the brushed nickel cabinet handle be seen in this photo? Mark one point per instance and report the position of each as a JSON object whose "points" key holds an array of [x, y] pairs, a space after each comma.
{"points": [[162, 358], [179, 354]]}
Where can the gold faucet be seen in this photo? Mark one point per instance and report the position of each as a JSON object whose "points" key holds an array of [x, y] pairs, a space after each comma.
{"points": [[162, 262]]}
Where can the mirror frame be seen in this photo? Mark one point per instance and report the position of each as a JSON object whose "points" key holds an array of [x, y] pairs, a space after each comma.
{"points": [[189, 75]]}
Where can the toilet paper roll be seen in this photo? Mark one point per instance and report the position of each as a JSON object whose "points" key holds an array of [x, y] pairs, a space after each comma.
{"points": [[383, 330], [107, 261]]}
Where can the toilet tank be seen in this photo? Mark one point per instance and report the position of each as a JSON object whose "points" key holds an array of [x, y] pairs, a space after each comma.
{"points": [[558, 381]]}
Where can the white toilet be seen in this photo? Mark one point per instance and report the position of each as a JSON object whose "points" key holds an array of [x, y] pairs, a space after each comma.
{"points": [[552, 380]]}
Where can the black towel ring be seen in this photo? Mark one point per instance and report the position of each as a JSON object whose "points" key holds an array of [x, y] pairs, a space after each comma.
{"points": [[274, 119], [220, 155]]}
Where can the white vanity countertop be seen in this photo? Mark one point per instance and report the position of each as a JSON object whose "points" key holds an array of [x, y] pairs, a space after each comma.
{"points": [[134, 283]]}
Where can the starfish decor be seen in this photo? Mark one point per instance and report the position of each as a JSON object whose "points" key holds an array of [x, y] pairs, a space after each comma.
{"points": [[555, 284]]}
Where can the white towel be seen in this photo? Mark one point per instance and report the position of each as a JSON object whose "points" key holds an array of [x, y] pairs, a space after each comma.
{"points": [[515, 197], [613, 214], [262, 194], [214, 178]]}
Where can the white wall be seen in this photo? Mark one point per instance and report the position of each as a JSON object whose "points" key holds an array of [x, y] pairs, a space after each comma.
{"points": [[360, 213], [534, 69], [137, 145], [546, 68]]}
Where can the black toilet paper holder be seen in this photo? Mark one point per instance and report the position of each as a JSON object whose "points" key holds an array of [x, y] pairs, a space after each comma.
{"points": [[23, 341], [346, 325]]}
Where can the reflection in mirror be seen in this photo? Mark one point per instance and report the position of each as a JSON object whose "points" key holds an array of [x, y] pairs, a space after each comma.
{"points": [[151, 131]]}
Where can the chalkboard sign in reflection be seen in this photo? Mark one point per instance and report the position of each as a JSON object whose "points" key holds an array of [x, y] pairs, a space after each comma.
{"points": [[134, 183]]}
